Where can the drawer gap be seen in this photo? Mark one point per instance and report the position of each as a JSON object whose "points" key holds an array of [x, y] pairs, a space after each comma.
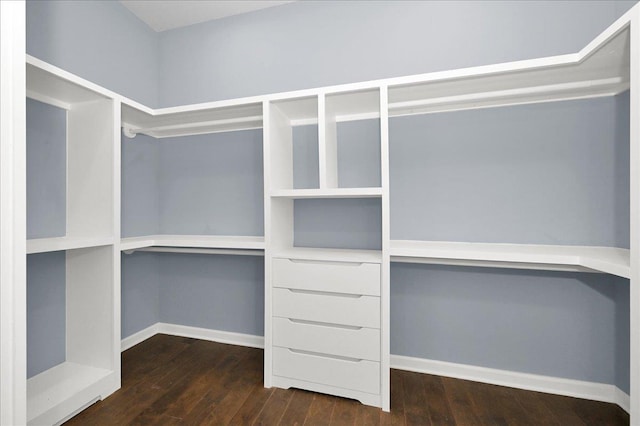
{"points": [[326, 293], [320, 355], [325, 324]]}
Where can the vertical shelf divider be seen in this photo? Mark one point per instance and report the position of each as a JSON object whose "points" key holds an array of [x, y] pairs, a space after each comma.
{"points": [[385, 270], [634, 282]]}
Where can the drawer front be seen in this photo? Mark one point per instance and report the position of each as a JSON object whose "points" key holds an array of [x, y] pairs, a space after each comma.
{"points": [[363, 376], [352, 342], [361, 311], [335, 277]]}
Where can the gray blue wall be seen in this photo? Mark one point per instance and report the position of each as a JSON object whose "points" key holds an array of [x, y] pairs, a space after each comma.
{"points": [[99, 40], [46, 321], [46, 170], [550, 323]]}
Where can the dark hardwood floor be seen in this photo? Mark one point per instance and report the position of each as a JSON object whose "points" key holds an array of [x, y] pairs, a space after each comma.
{"points": [[173, 380]]}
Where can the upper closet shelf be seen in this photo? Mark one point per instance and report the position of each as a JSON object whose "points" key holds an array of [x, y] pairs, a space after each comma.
{"points": [[191, 120], [43, 245], [328, 193], [613, 261], [600, 69], [193, 241]]}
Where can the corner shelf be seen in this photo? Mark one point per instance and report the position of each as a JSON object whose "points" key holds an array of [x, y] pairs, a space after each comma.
{"points": [[44, 245], [328, 193], [613, 261]]}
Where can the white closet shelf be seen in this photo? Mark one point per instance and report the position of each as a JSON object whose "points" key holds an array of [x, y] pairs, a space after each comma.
{"points": [[58, 392], [43, 245], [600, 69], [329, 255], [613, 261], [328, 193], [192, 119], [193, 241]]}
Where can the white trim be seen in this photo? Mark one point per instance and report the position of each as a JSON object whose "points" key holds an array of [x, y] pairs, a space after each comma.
{"points": [[139, 337], [219, 336], [622, 399], [533, 382]]}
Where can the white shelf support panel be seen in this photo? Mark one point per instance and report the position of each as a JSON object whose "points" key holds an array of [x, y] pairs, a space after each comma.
{"points": [[634, 296], [13, 291], [613, 261]]}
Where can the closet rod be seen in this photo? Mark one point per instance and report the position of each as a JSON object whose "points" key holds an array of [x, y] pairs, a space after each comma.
{"points": [[617, 84], [133, 131], [238, 252]]}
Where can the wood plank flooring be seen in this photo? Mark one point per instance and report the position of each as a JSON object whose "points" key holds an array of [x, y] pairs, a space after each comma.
{"points": [[170, 380]]}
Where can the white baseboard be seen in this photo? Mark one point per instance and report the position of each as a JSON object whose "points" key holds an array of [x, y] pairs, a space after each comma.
{"points": [[230, 338], [239, 339], [534, 382], [139, 337]]}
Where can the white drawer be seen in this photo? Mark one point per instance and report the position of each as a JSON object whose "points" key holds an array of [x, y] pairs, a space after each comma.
{"points": [[360, 375], [336, 277], [352, 342], [343, 309]]}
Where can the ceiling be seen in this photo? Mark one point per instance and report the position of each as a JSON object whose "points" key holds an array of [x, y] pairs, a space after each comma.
{"points": [[163, 15]]}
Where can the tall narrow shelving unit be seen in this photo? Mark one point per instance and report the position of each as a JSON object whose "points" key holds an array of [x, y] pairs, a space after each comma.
{"points": [[91, 369], [326, 315]]}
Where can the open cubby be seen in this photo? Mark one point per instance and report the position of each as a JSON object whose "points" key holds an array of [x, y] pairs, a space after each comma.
{"points": [[294, 159], [70, 173], [304, 143], [71, 321], [340, 223], [352, 139]]}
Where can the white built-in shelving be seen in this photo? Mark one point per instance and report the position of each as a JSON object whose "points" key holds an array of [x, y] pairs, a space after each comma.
{"points": [[607, 66], [91, 369]]}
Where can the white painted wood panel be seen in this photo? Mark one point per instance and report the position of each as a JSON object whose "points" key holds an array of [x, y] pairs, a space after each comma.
{"points": [[336, 277], [13, 299], [362, 311], [351, 342], [90, 169], [360, 375], [90, 307], [634, 290]]}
